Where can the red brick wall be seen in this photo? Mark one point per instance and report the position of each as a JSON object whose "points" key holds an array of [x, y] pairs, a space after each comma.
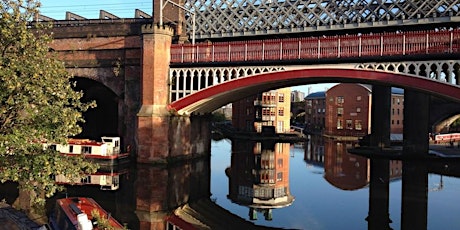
{"points": [[397, 113], [355, 107]]}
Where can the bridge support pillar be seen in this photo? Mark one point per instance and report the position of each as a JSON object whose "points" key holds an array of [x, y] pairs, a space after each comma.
{"points": [[380, 116], [153, 117], [414, 202], [379, 194], [160, 190], [416, 123], [163, 136]]}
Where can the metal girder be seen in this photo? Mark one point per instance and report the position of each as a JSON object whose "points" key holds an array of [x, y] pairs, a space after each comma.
{"points": [[232, 18]]}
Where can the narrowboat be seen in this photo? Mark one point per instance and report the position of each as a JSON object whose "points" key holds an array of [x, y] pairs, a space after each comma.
{"points": [[106, 178], [81, 213], [105, 152]]}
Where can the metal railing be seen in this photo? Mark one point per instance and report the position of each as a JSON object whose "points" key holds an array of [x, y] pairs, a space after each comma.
{"points": [[343, 46]]}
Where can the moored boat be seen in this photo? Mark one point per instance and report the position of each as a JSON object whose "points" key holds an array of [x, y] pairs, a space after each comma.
{"points": [[107, 178], [105, 152], [81, 213]]}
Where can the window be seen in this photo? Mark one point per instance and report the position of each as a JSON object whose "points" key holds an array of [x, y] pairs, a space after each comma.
{"points": [[358, 110], [280, 148], [280, 163], [339, 100], [281, 97], [281, 111], [358, 125], [339, 124], [358, 98], [86, 149], [308, 102], [272, 111], [265, 111], [280, 128], [71, 149], [279, 192], [279, 176], [349, 124], [339, 111]]}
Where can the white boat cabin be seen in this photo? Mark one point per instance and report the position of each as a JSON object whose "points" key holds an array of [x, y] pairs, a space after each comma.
{"points": [[106, 181], [109, 146]]}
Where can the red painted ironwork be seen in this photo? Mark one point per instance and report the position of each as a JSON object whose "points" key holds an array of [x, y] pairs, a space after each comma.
{"points": [[344, 46]]}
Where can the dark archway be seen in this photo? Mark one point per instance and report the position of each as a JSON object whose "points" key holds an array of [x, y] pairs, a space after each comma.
{"points": [[102, 120]]}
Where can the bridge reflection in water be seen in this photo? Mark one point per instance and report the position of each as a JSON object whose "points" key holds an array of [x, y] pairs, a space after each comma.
{"points": [[332, 188]]}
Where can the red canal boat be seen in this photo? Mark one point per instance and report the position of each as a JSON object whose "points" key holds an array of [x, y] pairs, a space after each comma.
{"points": [[78, 213]]}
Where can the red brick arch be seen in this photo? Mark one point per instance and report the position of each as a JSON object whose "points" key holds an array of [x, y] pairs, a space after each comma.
{"points": [[209, 99]]}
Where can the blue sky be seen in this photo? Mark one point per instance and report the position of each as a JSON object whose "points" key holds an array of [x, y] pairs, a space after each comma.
{"points": [[57, 9], [90, 9]]}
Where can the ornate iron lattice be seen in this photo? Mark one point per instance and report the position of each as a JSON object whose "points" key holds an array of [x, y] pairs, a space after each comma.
{"points": [[186, 81], [231, 18], [443, 71]]}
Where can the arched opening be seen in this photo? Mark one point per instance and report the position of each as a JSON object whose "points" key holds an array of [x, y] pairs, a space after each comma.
{"points": [[211, 98], [102, 120]]}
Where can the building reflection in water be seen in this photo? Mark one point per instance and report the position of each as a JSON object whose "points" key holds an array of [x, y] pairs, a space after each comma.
{"points": [[259, 176], [343, 170], [347, 171]]}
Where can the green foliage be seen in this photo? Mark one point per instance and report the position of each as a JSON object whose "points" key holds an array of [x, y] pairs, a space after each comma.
{"points": [[37, 104], [102, 221], [218, 117]]}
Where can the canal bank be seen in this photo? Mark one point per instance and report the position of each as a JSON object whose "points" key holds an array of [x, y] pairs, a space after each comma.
{"points": [[11, 219]]}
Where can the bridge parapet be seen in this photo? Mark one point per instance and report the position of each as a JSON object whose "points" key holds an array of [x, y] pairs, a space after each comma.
{"points": [[416, 44], [317, 48]]}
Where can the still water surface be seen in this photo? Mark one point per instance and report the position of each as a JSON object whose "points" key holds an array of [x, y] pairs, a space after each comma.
{"points": [[331, 190], [327, 188]]}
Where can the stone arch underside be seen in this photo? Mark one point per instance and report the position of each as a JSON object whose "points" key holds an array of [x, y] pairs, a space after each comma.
{"points": [[103, 76], [211, 98]]}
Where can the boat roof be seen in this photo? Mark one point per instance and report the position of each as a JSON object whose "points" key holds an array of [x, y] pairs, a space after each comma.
{"points": [[74, 141], [73, 206]]}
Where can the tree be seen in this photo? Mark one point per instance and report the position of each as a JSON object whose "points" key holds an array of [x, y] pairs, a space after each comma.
{"points": [[37, 104]]}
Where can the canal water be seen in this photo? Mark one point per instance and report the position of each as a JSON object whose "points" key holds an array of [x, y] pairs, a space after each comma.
{"points": [[315, 186], [331, 190]]}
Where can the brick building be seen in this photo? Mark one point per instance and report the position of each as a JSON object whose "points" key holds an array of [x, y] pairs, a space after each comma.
{"points": [[397, 108], [315, 110], [259, 176], [268, 110], [347, 110]]}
